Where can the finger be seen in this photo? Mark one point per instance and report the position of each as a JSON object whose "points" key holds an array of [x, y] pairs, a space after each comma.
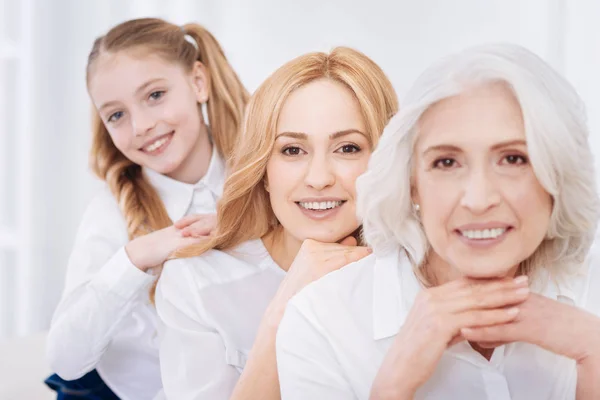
{"points": [[485, 318], [188, 220], [353, 254], [506, 332], [483, 294], [494, 298], [349, 241], [456, 339]]}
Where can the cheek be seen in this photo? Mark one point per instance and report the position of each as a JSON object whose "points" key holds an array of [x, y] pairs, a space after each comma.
{"points": [[532, 204], [437, 199], [280, 181], [121, 138], [348, 173]]}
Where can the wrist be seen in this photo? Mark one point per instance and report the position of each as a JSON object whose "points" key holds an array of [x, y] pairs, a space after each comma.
{"points": [[274, 313], [131, 252], [386, 392]]}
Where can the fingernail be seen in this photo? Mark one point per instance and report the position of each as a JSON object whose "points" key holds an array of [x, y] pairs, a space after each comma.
{"points": [[519, 280], [369, 250], [512, 311]]}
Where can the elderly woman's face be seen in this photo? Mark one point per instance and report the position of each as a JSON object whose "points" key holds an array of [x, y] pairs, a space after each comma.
{"points": [[481, 205]]}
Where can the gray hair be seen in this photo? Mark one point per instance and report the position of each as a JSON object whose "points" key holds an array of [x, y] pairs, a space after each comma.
{"points": [[557, 141]]}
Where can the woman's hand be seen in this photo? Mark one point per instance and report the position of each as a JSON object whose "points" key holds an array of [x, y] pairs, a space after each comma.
{"points": [[554, 326], [314, 260], [435, 322], [154, 249]]}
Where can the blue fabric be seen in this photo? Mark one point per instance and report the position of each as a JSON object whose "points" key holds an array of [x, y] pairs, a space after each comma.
{"points": [[88, 387]]}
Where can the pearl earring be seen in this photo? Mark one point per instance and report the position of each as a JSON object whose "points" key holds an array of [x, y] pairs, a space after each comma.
{"points": [[416, 207], [204, 110]]}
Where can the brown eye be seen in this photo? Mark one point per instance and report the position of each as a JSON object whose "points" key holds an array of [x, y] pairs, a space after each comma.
{"points": [[291, 151], [515, 159], [349, 148], [444, 163]]}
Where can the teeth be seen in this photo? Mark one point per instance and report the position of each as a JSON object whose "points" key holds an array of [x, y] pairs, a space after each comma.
{"points": [[322, 205], [484, 234], [156, 144]]}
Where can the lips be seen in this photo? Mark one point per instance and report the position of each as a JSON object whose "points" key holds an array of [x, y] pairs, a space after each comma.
{"points": [[320, 205], [490, 233], [158, 144]]}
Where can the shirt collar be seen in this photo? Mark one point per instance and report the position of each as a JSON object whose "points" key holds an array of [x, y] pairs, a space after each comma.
{"points": [[395, 288], [177, 196]]}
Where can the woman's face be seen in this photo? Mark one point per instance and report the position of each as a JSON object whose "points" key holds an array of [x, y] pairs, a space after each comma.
{"points": [[321, 147], [481, 205], [150, 109]]}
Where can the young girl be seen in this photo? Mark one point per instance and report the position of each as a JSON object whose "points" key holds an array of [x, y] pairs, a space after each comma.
{"points": [[309, 132], [148, 80]]}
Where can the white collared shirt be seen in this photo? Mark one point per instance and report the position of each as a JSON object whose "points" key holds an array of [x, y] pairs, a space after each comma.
{"points": [[336, 332], [211, 307], [105, 319]]}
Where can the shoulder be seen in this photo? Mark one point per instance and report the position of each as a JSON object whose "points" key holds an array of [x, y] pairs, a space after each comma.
{"points": [[102, 219], [590, 288], [347, 288], [103, 209], [216, 267]]}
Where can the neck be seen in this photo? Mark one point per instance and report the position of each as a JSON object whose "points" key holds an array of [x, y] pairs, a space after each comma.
{"points": [[195, 165], [282, 247]]}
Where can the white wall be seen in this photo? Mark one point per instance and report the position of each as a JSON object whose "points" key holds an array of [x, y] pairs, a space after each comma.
{"points": [[403, 36]]}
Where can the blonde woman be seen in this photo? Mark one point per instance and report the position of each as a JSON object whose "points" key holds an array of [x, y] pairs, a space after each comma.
{"points": [[161, 160], [288, 206], [481, 206]]}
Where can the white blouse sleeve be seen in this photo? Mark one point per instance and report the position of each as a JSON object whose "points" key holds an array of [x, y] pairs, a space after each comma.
{"points": [[100, 290], [192, 353], [306, 364]]}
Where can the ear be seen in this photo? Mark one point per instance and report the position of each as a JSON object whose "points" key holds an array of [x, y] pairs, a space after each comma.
{"points": [[414, 194], [266, 184], [200, 82]]}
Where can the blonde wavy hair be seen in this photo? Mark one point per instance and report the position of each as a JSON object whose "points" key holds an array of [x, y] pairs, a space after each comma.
{"points": [[139, 202], [244, 212]]}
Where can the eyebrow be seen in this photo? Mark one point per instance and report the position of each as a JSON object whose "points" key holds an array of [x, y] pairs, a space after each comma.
{"points": [[452, 148], [332, 136], [140, 89]]}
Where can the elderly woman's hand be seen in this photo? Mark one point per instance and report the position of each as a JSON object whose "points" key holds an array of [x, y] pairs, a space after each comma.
{"points": [[435, 322], [554, 326]]}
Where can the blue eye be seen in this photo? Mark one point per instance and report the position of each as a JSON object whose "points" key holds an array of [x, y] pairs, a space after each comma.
{"points": [[157, 95], [115, 116]]}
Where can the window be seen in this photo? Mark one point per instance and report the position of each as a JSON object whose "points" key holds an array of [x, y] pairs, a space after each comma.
{"points": [[15, 170]]}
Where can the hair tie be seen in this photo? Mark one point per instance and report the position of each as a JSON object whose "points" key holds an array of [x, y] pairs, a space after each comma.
{"points": [[188, 38]]}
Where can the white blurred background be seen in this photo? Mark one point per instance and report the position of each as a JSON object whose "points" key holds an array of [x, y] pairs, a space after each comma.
{"points": [[45, 183]]}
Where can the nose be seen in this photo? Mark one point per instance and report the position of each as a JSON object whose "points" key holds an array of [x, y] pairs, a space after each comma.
{"points": [[142, 122], [319, 174], [480, 191]]}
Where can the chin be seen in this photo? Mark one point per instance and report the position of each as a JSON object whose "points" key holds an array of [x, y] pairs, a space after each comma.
{"points": [[483, 271], [326, 237]]}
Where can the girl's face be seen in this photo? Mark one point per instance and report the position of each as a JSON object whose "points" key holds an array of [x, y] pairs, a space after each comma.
{"points": [[150, 108]]}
